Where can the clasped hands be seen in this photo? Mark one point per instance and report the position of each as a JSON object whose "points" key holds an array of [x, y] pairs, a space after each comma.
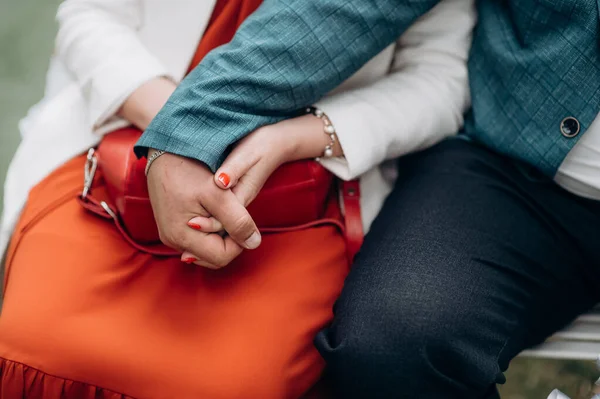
{"points": [[204, 215]]}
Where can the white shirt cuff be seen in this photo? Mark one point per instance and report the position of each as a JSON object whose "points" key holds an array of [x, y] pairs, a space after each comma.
{"points": [[360, 149]]}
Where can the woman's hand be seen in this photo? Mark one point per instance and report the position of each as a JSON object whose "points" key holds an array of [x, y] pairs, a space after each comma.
{"points": [[258, 155], [145, 102]]}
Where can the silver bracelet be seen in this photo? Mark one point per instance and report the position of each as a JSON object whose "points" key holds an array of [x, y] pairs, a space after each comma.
{"points": [[328, 129], [153, 158]]}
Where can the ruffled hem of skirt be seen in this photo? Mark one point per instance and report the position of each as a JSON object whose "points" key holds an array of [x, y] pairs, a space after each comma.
{"points": [[18, 380]]}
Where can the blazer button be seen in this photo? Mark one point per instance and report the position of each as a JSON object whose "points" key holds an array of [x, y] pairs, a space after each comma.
{"points": [[569, 127]]}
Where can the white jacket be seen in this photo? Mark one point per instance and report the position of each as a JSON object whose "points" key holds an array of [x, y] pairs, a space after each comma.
{"points": [[410, 96]]}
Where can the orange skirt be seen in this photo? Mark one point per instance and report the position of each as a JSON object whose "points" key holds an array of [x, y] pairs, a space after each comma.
{"points": [[87, 316]]}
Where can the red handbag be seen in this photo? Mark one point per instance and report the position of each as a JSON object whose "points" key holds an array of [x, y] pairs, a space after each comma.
{"points": [[298, 195]]}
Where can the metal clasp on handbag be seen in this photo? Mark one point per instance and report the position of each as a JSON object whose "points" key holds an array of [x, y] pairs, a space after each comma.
{"points": [[91, 165], [89, 172]]}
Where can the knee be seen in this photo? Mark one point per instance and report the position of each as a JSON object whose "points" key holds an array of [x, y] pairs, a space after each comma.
{"points": [[381, 331], [380, 340]]}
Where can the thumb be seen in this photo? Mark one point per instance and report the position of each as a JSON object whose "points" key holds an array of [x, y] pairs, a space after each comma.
{"points": [[235, 167]]}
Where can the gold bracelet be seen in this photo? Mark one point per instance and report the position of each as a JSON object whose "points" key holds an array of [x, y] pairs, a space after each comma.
{"points": [[328, 129]]}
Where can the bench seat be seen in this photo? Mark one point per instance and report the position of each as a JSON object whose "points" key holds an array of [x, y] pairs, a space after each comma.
{"points": [[579, 341]]}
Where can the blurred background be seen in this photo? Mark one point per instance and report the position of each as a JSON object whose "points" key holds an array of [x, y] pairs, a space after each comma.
{"points": [[26, 37]]}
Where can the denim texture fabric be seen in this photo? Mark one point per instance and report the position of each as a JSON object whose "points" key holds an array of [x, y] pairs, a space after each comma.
{"points": [[470, 262], [533, 63]]}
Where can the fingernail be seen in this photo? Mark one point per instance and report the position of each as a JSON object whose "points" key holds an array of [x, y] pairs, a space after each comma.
{"points": [[194, 226], [254, 241], [189, 261], [224, 179]]}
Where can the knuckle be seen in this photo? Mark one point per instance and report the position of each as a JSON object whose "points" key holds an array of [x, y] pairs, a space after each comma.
{"points": [[241, 225]]}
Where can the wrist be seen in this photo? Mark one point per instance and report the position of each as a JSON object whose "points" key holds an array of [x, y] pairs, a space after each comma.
{"points": [[146, 101], [333, 148], [294, 139], [152, 156], [274, 144], [308, 139]]}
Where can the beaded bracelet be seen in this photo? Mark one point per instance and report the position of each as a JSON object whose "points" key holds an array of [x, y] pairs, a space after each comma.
{"points": [[328, 129]]}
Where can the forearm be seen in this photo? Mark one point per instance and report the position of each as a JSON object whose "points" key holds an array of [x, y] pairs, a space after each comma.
{"points": [[285, 57], [145, 102]]}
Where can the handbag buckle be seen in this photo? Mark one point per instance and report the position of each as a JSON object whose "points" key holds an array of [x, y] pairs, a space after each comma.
{"points": [[91, 164]]}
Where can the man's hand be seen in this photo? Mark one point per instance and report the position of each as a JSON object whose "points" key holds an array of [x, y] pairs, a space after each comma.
{"points": [[181, 189]]}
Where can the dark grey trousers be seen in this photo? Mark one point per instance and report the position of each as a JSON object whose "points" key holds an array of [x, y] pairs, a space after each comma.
{"points": [[473, 258]]}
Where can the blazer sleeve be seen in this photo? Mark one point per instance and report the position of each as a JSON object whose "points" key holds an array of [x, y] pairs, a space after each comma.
{"points": [[418, 104], [286, 56], [98, 43]]}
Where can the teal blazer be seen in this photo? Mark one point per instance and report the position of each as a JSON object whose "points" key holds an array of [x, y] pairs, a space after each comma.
{"points": [[534, 74]]}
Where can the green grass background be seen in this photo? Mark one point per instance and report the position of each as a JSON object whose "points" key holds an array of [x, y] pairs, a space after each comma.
{"points": [[26, 37]]}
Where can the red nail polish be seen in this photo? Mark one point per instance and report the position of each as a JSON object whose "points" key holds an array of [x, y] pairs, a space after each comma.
{"points": [[189, 261], [194, 226], [224, 179]]}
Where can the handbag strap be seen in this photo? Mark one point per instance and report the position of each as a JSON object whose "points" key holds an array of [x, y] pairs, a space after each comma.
{"points": [[102, 209], [353, 226]]}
